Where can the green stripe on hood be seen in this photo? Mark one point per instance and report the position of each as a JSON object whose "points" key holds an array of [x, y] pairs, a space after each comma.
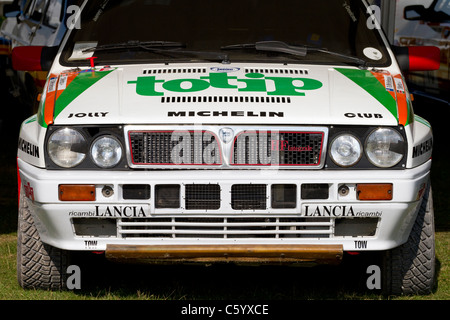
{"points": [[80, 84], [367, 81], [40, 113]]}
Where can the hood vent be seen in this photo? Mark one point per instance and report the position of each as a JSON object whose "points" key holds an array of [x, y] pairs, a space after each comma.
{"points": [[174, 71], [277, 71], [225, 99], [205, 70]]}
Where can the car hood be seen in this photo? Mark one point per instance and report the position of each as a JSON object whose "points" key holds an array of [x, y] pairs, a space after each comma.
{"points": [[222, 94]]}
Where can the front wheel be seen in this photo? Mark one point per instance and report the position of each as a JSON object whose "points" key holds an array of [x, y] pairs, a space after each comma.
{"points": [[410, 268], [39, 265]]}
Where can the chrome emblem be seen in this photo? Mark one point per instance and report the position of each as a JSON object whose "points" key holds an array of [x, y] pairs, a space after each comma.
{"points": [[226, 134]]}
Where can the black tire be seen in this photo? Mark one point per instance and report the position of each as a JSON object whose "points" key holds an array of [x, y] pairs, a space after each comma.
{"points": [[410, 268], [39, 265]]}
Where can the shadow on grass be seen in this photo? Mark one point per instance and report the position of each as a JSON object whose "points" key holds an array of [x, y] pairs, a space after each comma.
{"points": [[226, 281]]}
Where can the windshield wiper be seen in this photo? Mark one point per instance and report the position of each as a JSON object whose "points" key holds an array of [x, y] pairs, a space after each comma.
{"points": [[163, 48], [136, 44], [272, 46], [300, 51]]}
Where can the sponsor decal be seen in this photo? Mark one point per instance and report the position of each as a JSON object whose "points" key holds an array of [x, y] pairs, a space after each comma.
{"points": [[121, 211], [29, 191], [360, 244], [90, 244], [63, 89], [283, 145], [374, 84], [261, 114], [132, 211], [28, 148], [399, 85], [337, 211], [254, 82], [405, 114], [89, 115], [52, 84], [62, 84], [363, 115], [225, 69], [388, 83], [423, 148], [348, 8]]}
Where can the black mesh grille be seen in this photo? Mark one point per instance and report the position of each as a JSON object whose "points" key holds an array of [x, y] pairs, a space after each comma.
{"points": [[249, 197], [202, 197], [278, 148], [174, 147]]}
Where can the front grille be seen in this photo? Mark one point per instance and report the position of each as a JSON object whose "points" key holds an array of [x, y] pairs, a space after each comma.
{"points": [[202, 197], [299, 148], [249, 197], [174, 148], [278, 148], [225, 227]]}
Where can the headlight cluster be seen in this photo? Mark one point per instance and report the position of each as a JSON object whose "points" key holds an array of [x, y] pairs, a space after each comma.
{"points": [[68, 148], [106, 152], [346, 150], [383, 147], [62, 148]]}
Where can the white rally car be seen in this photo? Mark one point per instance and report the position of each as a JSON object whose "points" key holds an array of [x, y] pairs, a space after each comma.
{"points": [[226, 131]]}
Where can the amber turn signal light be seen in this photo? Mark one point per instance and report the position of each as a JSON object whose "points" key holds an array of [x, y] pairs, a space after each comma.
{"points": [[374, 191], [76, 192]]}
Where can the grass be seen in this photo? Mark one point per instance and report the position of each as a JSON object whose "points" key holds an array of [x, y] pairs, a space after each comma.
{"points": [[102, 280]]}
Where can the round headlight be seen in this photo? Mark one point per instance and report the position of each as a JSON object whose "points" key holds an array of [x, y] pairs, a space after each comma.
{"points": [[106, 151], [345, 150], [384, 147], [65, 147]]}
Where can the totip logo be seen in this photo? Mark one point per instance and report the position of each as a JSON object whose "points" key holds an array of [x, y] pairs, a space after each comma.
{"points": [[252, 82]]}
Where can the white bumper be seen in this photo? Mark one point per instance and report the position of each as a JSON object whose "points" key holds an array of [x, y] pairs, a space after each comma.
{"points": [[54, 218]]}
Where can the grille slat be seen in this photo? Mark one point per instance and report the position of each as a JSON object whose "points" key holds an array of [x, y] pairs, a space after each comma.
{"points": [[222, 224], [226, 227]]}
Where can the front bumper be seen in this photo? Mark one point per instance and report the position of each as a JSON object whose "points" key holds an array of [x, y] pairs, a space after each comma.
{"points": [[244, 254], [140, 223]]}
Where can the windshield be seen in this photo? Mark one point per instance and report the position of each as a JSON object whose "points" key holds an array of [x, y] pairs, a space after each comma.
{"points": [[443, 6], [167, 31]]}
